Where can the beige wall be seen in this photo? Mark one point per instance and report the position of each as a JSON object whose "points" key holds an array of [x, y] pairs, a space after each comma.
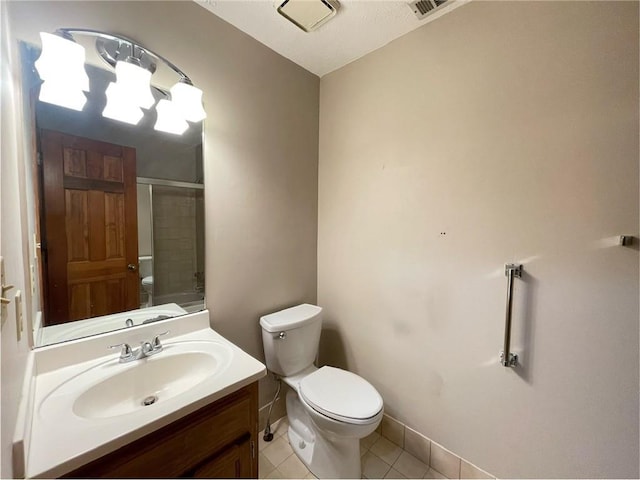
{"points": [[502, 132], [260, 153]]}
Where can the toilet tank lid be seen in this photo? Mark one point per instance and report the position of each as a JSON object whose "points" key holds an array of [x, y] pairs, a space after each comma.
{"points": [[289, 318]]}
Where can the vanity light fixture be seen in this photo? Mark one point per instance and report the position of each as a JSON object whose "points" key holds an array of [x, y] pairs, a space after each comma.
{"points": [[188, 100], [185, 104], [119, 107], [130, 93], [170, 119], [61, 67], [135, 82]]}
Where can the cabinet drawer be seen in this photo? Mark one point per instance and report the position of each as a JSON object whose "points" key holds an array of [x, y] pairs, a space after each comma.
{"points": [[176, 448], [234, 462]]}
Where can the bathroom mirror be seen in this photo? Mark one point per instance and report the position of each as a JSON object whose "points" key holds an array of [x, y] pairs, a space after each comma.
{"points": [[119, 213]]}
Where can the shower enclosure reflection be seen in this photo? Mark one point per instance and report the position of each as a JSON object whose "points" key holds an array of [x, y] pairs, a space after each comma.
{"points": [[170, 245]]}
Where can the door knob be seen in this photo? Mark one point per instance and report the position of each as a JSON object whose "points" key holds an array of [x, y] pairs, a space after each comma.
{"points": [[132, 266]]}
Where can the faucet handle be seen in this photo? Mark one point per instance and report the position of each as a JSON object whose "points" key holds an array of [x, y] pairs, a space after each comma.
{"points": [[147, 348], [126, 351], [156, 340]]}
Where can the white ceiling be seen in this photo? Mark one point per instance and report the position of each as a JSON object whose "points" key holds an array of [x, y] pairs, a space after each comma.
{"points": [[359, 27]]}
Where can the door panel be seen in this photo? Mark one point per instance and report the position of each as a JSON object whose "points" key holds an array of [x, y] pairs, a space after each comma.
{"points": [[97, 228], [113, 169], [75, 163], [114, 222], [77, 225], [79, 300], [89, 190]]}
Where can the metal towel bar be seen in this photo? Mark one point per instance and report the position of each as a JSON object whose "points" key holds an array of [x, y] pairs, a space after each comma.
{"points": [[508, 359]]}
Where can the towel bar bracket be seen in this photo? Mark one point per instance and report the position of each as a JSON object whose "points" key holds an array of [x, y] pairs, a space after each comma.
{"points": [[512, 362], [517, 270]]}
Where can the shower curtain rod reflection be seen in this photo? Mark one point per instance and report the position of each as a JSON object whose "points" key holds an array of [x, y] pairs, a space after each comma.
{"points": [[169, 183]]}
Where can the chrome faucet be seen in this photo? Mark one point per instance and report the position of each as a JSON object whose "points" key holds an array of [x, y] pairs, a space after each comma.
{"points": [[147, 349]]}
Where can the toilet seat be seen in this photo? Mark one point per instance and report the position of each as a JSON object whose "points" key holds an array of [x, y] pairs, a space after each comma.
{"points": [[341, 395]]}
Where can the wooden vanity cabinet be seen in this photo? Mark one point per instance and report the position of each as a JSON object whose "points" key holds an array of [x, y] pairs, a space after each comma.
{"points": [[217, 441], [234, 462]]}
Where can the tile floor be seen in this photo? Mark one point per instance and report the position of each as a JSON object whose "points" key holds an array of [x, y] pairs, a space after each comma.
{"points": [[380, 458]]}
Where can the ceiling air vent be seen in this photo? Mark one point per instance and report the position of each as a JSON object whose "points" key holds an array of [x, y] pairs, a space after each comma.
{"points": [[308, 15], [422, 8]]}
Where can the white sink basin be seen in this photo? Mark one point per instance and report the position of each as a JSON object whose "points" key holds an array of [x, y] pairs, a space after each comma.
{"points": [[112, 389]]}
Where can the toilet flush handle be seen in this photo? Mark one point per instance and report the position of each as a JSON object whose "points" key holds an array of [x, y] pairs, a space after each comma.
{"points": [[282, 335]]}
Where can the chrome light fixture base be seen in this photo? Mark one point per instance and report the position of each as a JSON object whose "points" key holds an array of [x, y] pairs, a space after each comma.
{"points": [[113, 50]]}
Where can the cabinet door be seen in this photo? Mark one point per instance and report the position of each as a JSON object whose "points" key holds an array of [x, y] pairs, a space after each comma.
{"points": [[234, 462]]}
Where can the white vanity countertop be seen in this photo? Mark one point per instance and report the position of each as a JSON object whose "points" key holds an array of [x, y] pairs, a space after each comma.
{"points": [[92, 326], [63, 442]]}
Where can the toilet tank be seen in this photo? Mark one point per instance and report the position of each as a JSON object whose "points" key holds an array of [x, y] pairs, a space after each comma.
{"points": [[145, 265], [290, 338]]}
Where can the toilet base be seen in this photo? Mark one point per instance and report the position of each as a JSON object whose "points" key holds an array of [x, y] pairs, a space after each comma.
{"points": [[326, 456]]}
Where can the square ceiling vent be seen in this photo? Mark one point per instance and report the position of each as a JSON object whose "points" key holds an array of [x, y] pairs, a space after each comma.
{"points": [[308, 15], [422, 8]]}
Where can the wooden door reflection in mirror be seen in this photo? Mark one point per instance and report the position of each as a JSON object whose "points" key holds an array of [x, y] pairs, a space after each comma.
{"points": [[90, 233]]}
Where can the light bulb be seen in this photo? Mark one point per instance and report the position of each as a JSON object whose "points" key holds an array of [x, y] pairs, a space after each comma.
{"points": [[61, 67], [170, 119], [119, 106], [135, 82], [63, 95], [188, 100]]}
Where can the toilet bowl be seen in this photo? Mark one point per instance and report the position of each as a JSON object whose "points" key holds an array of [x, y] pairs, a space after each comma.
{"points": [[145, 263], [340, 402], [147, 287], [329, 409], [147, 284]]}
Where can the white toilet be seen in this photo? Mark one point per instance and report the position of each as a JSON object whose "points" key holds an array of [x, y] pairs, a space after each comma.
{"points": [[329, 409], [145, 263]]}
